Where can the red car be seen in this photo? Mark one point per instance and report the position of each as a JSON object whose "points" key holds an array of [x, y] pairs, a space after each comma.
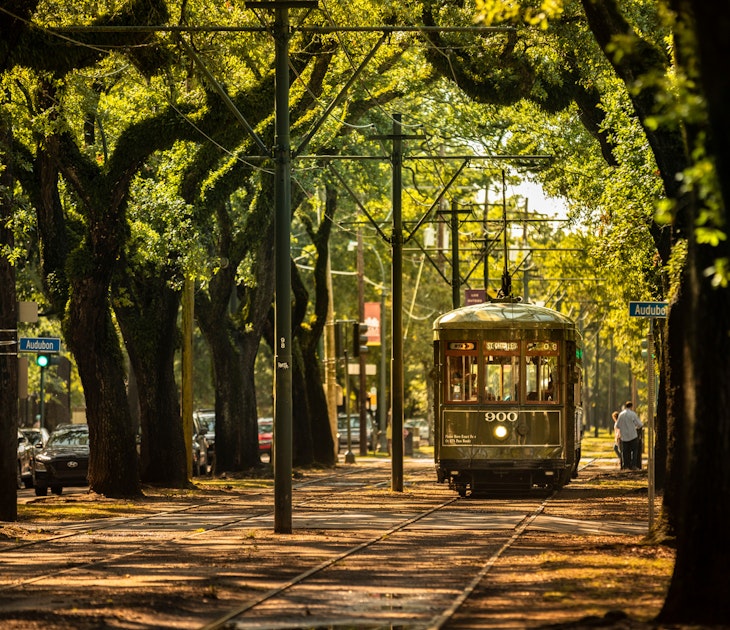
{"points": [[266, 429]]}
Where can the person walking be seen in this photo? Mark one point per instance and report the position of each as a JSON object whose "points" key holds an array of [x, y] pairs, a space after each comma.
{"points": [[617, 437], [627, 426]]}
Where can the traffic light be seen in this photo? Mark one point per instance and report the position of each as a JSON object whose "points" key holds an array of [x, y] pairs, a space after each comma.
{"points": [[644, 351], [46, 360], [359, 339]]}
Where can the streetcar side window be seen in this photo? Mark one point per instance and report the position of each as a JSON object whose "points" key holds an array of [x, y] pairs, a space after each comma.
{"points": [[541, 371], [502, 369], [461, 377]]}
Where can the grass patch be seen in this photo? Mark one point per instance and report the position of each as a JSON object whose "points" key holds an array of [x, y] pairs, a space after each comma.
{"points": [[79, 510], [597, 447]]}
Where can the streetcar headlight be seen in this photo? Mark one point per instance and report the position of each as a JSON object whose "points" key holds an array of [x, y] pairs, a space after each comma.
{"points": [[500, 431]]}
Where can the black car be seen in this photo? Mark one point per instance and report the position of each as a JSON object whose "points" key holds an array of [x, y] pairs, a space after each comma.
{"points": [[64, 461]]}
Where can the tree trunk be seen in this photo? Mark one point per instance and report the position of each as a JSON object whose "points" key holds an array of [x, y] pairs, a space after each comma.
{"points": [[91, 336], [236, 441], [322, 441], [698, 590], [227, 379], [303, 451], [8, 335], [150, 332]]}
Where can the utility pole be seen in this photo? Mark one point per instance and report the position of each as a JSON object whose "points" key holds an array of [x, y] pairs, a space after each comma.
{"points": [[361, 398], [396, 368], [282, 239]]}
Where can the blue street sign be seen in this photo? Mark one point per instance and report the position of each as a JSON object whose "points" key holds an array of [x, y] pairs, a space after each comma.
{"points": [[648, 309], [47, 345]]}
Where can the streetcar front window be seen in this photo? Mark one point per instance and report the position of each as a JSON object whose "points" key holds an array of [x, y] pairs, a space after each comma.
{"points": [[502, 369], [541, 371], [462, 377]]}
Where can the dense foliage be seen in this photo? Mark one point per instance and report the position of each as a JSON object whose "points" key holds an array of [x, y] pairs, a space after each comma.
{"points": [[136, 158]]}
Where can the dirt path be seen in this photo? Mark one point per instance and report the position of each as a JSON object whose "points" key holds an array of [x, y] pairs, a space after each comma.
{"points": [[604, 576]]}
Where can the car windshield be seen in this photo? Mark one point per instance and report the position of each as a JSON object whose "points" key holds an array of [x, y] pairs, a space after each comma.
{"points": [[34, 437], [206, 423], [266, 426], [72, 437]]}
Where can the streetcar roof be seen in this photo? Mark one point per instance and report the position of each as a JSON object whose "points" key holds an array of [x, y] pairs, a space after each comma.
{"points": [[502, 314]]}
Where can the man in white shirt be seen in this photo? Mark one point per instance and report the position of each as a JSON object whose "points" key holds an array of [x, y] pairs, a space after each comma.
{"points": [[627, 425]]}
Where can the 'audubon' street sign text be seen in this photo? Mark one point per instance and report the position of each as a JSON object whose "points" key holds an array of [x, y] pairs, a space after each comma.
{"points": [[648, 309]]}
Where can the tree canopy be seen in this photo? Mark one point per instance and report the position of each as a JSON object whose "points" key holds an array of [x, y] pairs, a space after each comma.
{"points": [[137, 150]]}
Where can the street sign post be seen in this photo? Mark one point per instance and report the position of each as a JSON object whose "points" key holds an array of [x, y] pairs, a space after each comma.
{"points": [[652, 311]]}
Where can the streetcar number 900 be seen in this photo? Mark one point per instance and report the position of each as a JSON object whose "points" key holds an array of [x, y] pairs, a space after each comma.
{"points": [[500, 416]]}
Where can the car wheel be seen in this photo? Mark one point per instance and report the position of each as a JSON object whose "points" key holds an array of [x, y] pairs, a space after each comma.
{"points": [[28, 482], [41, 491], [57, 490]]}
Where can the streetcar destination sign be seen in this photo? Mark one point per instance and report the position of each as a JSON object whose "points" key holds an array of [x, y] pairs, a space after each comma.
{"points": [[647, 309], [48, 345]]}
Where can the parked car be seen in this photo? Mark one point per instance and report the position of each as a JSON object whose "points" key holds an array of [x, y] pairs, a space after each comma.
{"points": [[25, 462], [424, 430], [64, 462], [266, 433], [354, 432], [204, 435], [37, 437]]}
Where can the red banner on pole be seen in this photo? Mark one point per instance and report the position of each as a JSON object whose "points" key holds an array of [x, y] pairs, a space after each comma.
{"points": [[372, 319]]}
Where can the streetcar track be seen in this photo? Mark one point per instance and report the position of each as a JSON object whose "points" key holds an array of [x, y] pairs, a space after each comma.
{"points": [[150, 547], [218, 623], [447, 609], [437, 621]]}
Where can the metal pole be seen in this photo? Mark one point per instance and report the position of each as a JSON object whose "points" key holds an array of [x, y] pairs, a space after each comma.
{"points": [[382, 397], [396, 371], [349, 455], [650, 413], [597, 380], [41, 408], [283, 355], [362, 395], [188, 311]]}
